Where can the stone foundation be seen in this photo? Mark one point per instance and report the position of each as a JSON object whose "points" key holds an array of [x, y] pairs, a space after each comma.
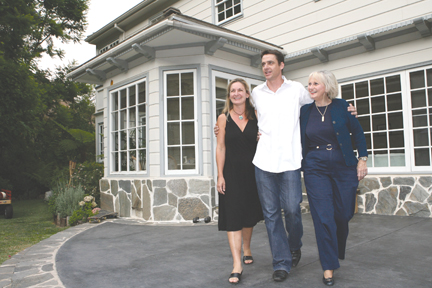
{"points": [[396, 195], [160, 200]]}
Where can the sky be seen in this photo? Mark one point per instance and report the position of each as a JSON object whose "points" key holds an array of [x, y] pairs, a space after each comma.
{"points": [[100, 13]]}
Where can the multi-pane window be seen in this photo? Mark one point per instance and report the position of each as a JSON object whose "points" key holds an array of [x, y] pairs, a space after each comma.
{"points": [[221, 81], [128, 128], [395, 114], [100, 142], [379, 107], [421, 105], [180, 122], [220, 89], [227, 10]]}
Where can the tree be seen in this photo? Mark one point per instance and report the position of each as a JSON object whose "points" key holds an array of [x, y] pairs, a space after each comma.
{"points": [[34, 102]]}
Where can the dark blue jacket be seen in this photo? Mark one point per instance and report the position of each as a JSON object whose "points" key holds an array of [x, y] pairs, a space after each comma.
{"points": [[343, 123]]}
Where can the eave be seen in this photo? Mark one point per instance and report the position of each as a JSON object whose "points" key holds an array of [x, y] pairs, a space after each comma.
{"points": [[349, 46], [175, 31]]}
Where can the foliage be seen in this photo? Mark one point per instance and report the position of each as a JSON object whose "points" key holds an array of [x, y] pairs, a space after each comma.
{"points": [[46, 120], [31, 223], [88, 175], [67, 199], [86, 210]]}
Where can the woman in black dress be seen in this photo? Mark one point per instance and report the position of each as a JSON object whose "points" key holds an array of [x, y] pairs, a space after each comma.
{"points": [[239, 206]]}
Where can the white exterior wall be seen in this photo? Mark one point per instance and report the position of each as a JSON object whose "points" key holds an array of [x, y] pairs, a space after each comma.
{"points": [[380, 59], [172, 58], [297, 24]]}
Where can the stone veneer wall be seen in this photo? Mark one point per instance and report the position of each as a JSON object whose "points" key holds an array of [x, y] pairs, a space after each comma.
{"points": [[159, 199], [396, 195]]}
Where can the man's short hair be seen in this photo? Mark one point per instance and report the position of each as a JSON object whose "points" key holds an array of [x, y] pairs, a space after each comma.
{"points": [[279, 56]]}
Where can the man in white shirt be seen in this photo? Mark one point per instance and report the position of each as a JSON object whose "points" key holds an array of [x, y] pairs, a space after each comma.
{"points": [[278, 160]]}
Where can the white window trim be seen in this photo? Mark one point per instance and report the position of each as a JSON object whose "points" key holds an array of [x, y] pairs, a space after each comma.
{"points": [[407, 122], [165, 141], [419, 169], [100, 143], [110, 137], [229, 76], [226, 19]]}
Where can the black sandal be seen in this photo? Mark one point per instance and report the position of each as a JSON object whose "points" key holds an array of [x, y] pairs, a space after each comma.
{"points": [[246, 258], [235, 275]]}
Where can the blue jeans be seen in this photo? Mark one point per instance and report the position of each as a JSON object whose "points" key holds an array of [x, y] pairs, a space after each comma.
{"points": [[331, 187], [281, 191]]}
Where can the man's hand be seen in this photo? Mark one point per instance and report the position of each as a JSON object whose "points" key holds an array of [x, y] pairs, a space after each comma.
{"points": [[352, 109], [216, 130]]}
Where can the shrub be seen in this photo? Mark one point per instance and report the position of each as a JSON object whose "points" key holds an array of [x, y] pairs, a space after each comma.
{"points": [[67, 199], [85, 211], [88, 175]]}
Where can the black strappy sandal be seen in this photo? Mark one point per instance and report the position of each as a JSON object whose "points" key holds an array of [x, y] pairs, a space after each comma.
{"points": [[235, 275], [246, 258]]}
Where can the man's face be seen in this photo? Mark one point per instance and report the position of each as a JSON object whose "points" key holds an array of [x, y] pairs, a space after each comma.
{"points": [[271, 68]]}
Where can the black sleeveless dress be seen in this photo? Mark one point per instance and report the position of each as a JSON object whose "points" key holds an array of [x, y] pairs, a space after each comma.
{"points": [[240, 206]]}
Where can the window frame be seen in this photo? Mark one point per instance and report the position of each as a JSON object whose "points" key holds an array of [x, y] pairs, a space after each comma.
{"points": [[213, 113], [407, 123], [420, 169], [234, 16], [100, 142], [111, 139], [196, 144]]}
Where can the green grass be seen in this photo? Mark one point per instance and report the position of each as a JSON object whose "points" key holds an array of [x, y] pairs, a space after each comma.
{"points": [[30, 224]]}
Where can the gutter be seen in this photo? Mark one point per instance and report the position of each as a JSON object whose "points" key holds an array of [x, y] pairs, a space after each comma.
{"points": [[116, 49]]}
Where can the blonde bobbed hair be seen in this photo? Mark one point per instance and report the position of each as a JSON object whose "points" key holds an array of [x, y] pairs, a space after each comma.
{"points": [[329, 81]]}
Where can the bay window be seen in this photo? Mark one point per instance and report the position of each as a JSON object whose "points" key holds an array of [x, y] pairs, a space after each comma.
{"points": [[128, 128]]}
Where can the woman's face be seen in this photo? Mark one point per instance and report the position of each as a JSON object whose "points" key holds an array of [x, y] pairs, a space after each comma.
{"points": [[316, 89], [238, 94]]}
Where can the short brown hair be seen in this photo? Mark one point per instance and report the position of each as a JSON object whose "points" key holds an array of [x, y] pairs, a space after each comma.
{"points": [[279, 56]]}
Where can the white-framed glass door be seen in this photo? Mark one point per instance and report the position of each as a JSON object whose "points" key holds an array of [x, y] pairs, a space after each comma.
{"points": [[220, 81]]}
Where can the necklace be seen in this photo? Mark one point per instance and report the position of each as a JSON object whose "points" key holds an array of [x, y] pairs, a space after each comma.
{"points": [[322, 114], [240, 115]]}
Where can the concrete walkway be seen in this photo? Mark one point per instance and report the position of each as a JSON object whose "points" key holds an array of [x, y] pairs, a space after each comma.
{"points": [[383, 251]]}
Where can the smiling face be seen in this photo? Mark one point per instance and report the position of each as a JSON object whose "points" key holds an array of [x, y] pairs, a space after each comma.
{"points": [[317, 89], [238, 93], [271, 68]]}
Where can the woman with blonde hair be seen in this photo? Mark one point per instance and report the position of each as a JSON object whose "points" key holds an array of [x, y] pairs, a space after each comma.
{"points": [[239, 206], [331, 169]]}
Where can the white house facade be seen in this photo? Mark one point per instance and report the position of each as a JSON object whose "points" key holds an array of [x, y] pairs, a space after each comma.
{"points": [[162, 70]]}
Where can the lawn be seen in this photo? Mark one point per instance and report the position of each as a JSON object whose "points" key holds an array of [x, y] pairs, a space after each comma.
{"points": [[31, 223]]}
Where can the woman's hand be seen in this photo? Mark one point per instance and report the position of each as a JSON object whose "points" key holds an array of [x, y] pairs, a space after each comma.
{"points": [[361, 169], [221, 185]]}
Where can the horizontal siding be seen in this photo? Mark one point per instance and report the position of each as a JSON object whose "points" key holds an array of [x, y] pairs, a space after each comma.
{"points": [[417, 51], [298, 24], [355, 23], [199, 9]]}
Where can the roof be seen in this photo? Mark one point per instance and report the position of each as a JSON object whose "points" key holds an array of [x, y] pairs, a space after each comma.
{"points": [[173, 30]]}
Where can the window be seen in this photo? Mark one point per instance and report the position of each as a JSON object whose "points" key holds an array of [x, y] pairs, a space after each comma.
{"points": [[219, 87], [227, 10], [420, 83], [221, 82], [180, 122], [106, 48], [128, 128], [395, 113], [100, 143]]}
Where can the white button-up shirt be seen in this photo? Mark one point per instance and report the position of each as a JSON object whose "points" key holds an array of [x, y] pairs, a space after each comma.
{"points": [[279, 147]]}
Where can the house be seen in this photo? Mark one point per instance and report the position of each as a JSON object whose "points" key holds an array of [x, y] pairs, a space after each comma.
{"points": [[162, 68]]}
